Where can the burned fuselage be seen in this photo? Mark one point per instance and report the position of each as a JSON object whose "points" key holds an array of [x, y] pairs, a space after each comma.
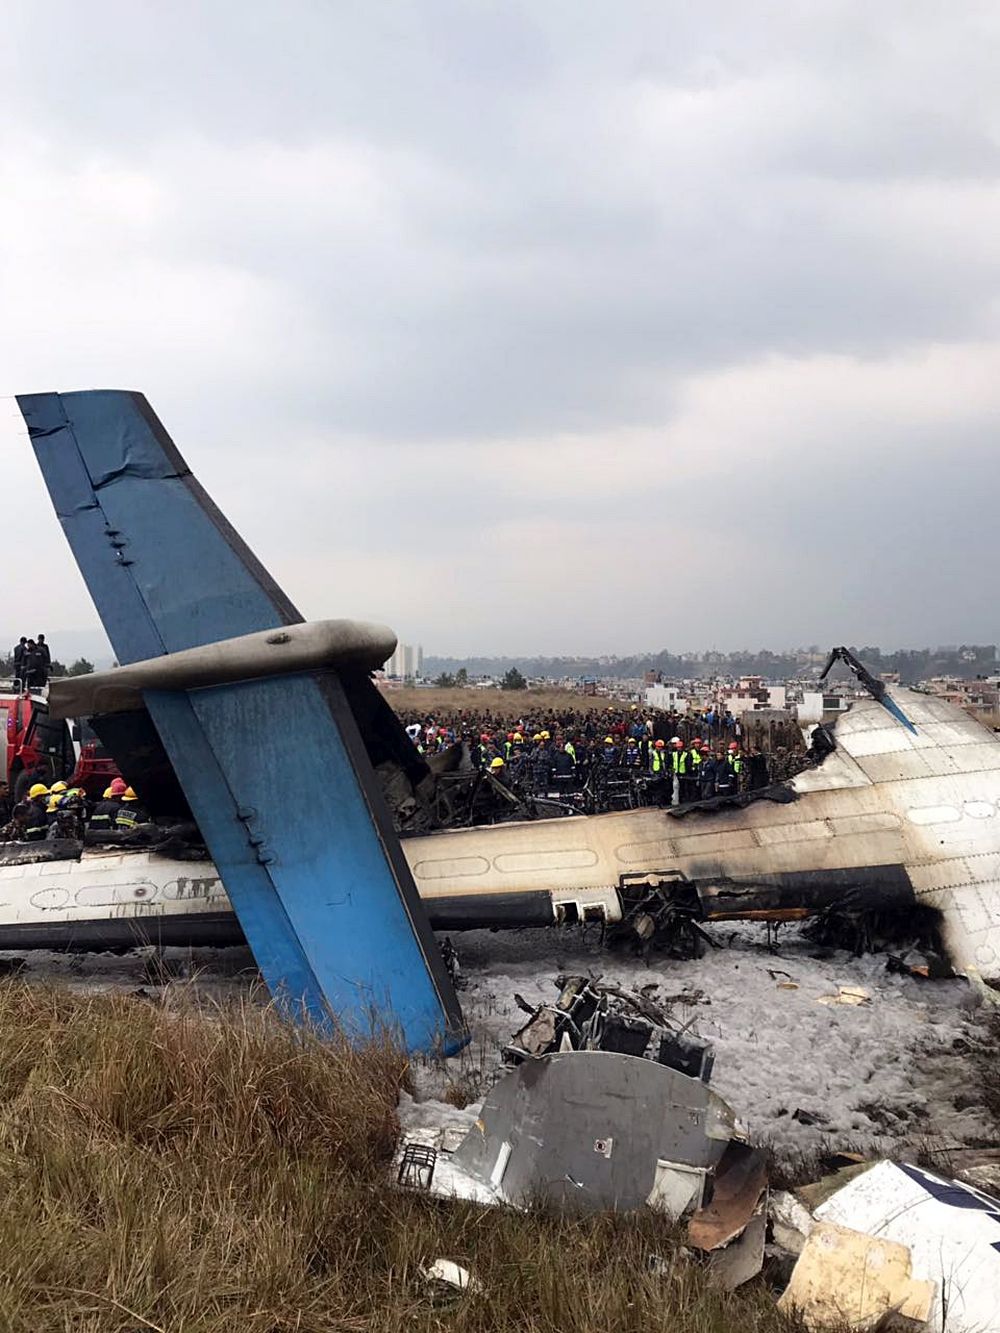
{"points": [[894, 820]]}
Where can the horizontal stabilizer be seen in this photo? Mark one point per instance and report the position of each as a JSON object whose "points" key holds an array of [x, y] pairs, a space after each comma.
{"points": [[323, 644]]}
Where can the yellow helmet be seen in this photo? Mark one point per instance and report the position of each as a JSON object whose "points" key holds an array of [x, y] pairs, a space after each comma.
{"points": [[518, 738], [58, 787], [609, 740], [39, 789], [496, 763], [129, 795], [545, 736], [537, 736], [108, 793]]}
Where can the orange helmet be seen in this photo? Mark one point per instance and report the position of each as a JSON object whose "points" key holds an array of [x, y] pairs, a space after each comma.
{"points": [[658, 745]]}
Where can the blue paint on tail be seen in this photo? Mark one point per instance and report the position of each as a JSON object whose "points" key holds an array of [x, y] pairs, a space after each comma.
{"points": [[275, 771]]}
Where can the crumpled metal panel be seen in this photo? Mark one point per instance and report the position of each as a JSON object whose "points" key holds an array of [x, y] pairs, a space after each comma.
{"points": [[275, 771], [588, 1128]]}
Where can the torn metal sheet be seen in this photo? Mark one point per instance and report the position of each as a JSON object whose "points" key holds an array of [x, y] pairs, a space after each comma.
{"points": [[742, 1259], [951, 1231], [591, 1128], [740, 1182], [847, 1277]]}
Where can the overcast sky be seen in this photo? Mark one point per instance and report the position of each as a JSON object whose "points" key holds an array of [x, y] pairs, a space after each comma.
{"points": [[528, 327]]}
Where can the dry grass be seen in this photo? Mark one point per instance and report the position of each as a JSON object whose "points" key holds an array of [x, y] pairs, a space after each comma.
{"points": [[172, 1170], [506, 703]]}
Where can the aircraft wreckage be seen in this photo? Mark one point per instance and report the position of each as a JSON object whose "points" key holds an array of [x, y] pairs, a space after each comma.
{"points": [[227, 706]]}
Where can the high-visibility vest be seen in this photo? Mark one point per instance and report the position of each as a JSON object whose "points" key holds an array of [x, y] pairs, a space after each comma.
{"points": [[735, 762], [695, 760], [570, 749], [680, 758], [658, 760]]}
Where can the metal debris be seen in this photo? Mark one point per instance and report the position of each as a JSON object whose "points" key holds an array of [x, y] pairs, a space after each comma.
{"points": [[950, 1230], [598, 1129], [845, 1276], [589, 1016]]}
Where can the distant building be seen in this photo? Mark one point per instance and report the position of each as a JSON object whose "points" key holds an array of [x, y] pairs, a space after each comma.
{"points": [[751, 694], [816, 705], [406, 663], [665, 697]]}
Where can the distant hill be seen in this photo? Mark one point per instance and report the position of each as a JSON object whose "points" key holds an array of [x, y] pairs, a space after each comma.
{"points": [[964, 660]]}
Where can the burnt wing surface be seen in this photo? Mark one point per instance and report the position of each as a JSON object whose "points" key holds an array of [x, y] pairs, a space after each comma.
{"points": [[275, 771]]}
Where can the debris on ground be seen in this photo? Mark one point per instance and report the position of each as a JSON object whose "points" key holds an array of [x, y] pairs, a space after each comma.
{"points": [[446, 1273], [605, 1104], [591, 1016], [845, 1276], [853, 995], [951, 1232]]}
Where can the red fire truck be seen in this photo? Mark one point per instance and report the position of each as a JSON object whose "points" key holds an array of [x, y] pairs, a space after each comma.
{"points": [[40, 749]]}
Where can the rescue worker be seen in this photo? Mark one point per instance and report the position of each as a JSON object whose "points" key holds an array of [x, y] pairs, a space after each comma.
{"points": [[658, 766], [633, 756], [31, 665], [38, 813], [609, 755], [131, 813], [541, 765], [106, 811], [658, 761], [697, 751], [708, 775], [564, 766], [19, 651], [69, 819], [728, 782], [44, 657], [16, 828], [678, 767], [734, 761], [496, 767], [57, 793], [690, 762]]}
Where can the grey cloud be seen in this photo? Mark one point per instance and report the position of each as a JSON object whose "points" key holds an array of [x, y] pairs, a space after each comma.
{"points": [[368, 233]]}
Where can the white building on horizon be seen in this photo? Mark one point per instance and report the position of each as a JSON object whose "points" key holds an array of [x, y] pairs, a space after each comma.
{"points": [[406, 663]]}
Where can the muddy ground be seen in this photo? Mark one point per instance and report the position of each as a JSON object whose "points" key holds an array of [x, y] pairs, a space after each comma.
{"points": [[897, 1075]]}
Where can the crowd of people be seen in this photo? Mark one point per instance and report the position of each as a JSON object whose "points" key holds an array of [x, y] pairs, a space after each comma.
{"points": [[32, 662], [659, 757], [61, 811]]}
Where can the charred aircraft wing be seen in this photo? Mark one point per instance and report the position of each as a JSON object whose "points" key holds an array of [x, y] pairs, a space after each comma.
{"points": [[275, 770]]}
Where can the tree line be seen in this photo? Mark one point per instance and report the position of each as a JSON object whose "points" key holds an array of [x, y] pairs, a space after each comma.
{"points": [[966, 661]]}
